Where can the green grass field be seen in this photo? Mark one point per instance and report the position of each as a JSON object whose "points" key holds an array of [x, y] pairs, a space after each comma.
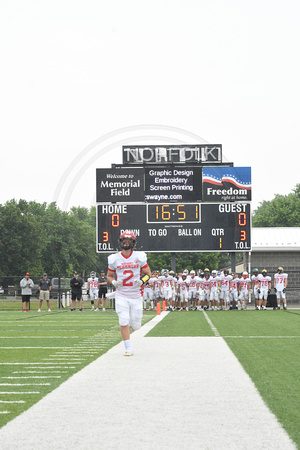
{"points": [[267, 344], [39, 351]]}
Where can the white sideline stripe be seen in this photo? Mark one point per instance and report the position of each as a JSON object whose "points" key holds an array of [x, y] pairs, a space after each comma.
{"points": [[4, 412], [12, 401], [19, 393], [18, 378], [214, 329]]}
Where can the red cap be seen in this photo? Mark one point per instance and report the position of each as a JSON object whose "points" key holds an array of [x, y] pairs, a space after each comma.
{"points": [[27, 273]]}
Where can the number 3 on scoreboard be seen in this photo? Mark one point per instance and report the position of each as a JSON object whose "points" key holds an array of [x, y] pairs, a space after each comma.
{"points": [[105, 236], [243, 235]]}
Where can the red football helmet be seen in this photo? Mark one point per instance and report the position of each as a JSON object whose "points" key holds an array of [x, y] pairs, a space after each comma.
{"points": [[127, 235]]}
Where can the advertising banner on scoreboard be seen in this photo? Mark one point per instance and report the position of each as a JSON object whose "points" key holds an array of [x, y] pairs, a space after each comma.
{"points": [[120, 185], [226, 184], [173, 183]]}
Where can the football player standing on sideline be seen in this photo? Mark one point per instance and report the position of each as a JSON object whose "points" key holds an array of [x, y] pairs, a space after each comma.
{"points": [[127, 266], [280, 283]]}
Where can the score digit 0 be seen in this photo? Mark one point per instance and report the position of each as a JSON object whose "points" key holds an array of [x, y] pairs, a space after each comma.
{"points": [[115, 220]]}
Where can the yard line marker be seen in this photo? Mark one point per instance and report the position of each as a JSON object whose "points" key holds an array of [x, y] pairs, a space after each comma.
{"points": [[51, 367], [39, 337], [36, 371], [25, 384], [4, 412], [16, 378], [17, 393], [29, 348], [214, 329], [12, 401], [33, 363], [264, 337]]}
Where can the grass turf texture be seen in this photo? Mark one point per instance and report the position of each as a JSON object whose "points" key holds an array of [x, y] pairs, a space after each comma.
{"points": [[267, 344], [39, 351]]}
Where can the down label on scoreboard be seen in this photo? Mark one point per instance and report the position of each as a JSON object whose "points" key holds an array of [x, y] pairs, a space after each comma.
{"points": [[184, 227]]}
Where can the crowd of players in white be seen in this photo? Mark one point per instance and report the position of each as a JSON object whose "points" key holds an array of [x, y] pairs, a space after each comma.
{"points": [[212, 290]]}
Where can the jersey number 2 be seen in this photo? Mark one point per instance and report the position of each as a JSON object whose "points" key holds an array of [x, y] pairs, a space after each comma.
{"points": [[126, 281]]}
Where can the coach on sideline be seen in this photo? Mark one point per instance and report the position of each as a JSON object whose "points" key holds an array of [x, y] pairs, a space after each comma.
{"points": [[44, 288]]}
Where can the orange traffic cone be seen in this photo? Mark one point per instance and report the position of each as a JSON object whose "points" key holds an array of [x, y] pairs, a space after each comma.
{"points": [[158, 309], [164, 305]]}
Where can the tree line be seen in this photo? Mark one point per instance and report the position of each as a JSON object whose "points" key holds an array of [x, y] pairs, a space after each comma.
{"points": [[39, 237]]}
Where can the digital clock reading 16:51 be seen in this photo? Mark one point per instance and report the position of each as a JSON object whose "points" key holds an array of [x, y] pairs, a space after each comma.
{"points": [[173, 212]]}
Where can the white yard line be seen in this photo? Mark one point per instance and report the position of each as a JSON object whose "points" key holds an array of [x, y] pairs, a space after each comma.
{"points": [[174, 393]]}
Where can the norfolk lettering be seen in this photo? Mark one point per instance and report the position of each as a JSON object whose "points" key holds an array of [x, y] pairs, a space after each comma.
{"points": [[164, 154]]}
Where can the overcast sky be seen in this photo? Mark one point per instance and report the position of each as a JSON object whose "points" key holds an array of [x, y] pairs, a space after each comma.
{"points": [[80, 78]]}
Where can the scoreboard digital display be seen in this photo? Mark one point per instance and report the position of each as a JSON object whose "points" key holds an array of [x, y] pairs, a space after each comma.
{"points": [[171, 227]]}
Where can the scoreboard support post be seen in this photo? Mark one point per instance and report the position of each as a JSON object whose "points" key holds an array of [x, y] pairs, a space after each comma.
{"points": [[173, 261], [233, 263]]}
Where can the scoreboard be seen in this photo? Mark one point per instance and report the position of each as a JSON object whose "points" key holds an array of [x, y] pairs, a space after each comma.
{"points": [[171, 227]]}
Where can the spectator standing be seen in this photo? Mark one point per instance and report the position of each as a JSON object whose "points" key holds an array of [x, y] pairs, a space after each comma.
{"points": [[76, 284], [26, 285], [102, 282], [44, 288]]}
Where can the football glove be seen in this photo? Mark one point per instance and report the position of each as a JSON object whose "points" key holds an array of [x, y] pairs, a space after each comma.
{"points": [[142, 280], [116, 283]]}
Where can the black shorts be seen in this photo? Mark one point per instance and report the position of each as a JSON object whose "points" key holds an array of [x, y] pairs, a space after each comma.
{"points": [[102, 292], [26, 298], [76, 296]]}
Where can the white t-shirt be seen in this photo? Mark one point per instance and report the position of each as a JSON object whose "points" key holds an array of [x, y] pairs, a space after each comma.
{"points": [[128, 270]]}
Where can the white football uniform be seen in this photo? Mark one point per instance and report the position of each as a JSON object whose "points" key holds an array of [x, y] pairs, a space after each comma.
{"points": [[234, 288], [206, 287], [244, 291], [225, 284], [182, 286], [193, 283], [214, 288], [255, 281], [93, 288], [264, 287], [279, 284], [166, 286], [148, 289], [128, 297]]}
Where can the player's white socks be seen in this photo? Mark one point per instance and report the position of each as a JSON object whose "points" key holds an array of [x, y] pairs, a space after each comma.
{"points": [[128, 347]]}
